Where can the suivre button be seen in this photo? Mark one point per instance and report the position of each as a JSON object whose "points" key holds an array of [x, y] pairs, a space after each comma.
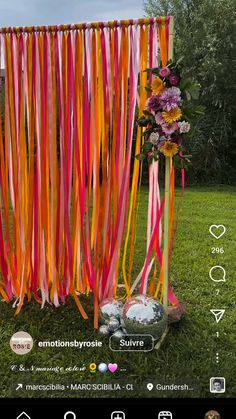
{"points": [[143, 343]]}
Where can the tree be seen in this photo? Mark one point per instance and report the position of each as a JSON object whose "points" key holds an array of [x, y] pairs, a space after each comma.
{"points": [[205, 34]]}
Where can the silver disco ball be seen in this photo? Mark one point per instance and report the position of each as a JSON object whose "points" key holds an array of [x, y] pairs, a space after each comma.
{"points": [[144, 315], [113, 324], [144, 298], [103, 330], [110, 308]]}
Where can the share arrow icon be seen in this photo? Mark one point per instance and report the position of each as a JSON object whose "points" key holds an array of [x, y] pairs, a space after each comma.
{"points": [[218, 314]]}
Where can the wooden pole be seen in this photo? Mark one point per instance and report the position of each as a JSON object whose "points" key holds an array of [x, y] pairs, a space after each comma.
{"points": [[166, 231], [171, 38], [168, 165]]}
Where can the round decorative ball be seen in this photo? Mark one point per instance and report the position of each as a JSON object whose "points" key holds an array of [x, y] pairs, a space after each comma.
{"points": [[102, 367], [144, 298], [119, 334], [122, 326], [103, 330], [113, 324], [110, 308], [144, 315]]}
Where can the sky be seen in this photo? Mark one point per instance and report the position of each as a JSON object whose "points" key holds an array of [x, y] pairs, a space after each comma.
{"points": [[53, 12]]}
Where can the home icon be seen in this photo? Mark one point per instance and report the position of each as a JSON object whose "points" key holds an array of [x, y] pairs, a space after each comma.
{"points": [[23, 415]]}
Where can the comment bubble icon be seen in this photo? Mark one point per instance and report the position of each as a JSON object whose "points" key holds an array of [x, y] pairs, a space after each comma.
{"points": [[217, 274]]}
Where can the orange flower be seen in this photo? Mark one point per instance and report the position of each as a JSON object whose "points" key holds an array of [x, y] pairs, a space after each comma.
{"points": [[172, 115], [169, 149], [157, 86]]}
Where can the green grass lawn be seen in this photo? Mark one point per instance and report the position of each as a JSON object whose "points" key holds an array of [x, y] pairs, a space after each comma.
{"points": [[189, 350]]}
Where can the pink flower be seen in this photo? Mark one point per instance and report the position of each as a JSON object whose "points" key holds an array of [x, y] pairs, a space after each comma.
{"points": [[174, 80], [183, 127], [168, 129], [171, 98], [153, 103], [159, 118], [153, 138], [164, 72]]}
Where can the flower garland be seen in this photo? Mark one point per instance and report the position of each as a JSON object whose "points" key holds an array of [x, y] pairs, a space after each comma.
{"points": [[169, 110]]}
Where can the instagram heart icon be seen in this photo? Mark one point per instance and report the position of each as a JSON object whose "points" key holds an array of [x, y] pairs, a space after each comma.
{"points": [[217, 231], [112, 367]]}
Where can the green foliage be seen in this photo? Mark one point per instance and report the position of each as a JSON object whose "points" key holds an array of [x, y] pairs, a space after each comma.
{"points": [[140, 156], [205, 36], [182, 162]]}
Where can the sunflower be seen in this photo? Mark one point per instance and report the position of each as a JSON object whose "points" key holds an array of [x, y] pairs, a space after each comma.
{"points": [[172, 115], [157, 86], [169, 149]]}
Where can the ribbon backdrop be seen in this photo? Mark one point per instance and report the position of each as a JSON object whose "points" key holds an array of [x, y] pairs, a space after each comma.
{"points": [[66, 133]]}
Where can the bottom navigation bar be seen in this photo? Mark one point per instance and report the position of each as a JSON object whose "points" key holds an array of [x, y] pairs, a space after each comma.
{"points": [[118, 408]]}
